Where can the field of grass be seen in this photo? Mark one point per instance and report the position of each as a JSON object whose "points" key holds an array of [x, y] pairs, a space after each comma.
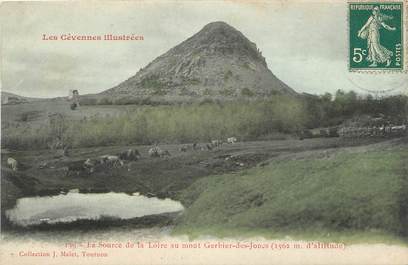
{"points": [[361, 195], [313, 196], [148, 124]]}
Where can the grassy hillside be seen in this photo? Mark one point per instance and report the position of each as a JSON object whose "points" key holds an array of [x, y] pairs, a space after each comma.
{"points": [[148, 124], [30, 125], [345, 191]]}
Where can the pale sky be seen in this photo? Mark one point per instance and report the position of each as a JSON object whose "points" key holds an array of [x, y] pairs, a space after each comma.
{"points": [[304, 43]]}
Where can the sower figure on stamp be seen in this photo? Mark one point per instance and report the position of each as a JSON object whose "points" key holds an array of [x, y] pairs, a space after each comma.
{"points": [[371, 31]]}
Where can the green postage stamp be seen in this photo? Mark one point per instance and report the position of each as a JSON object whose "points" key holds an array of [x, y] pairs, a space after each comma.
{"points": [[376, 36]]}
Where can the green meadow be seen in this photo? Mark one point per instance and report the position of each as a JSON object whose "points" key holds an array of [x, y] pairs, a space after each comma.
{"points": [[360, 196]]}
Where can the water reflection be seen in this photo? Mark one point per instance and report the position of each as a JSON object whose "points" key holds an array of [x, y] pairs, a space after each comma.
{"points": [[91, 206]]}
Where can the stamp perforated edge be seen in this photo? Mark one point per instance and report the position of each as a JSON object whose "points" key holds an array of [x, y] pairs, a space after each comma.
{"points": [[404, 35]]}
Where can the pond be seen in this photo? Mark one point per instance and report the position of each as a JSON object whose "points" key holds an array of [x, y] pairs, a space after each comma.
{"points": [[73, 206]]}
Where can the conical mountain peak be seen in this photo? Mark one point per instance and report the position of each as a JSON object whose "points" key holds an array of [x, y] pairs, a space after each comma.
{"points": [[216, 62]]}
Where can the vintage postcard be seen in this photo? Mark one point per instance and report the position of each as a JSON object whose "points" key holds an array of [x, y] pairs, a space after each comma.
{"points": [[204, 132]]}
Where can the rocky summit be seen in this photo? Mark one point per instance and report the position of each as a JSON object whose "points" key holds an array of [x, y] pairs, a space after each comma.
{"points": [[217, 62]]}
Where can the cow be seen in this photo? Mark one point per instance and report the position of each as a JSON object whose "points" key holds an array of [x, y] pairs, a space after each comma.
{"points": [[398, 128], [183, 149], [164, 153], [114, 161], [75, 168], [89, 165], [231, 140], [129, 155], [66, 150], [111, 160], [154, 151], [12, 163], [158, 152], [216, 143]]}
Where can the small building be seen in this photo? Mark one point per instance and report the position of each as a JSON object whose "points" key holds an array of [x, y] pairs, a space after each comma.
{"points": [[73, 97]]}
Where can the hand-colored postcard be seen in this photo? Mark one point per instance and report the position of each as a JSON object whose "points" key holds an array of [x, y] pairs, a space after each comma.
{"points": [[204, 132]]}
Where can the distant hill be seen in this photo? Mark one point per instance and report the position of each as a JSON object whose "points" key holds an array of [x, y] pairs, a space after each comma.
{"points": [[217, 62], [10, 98]]}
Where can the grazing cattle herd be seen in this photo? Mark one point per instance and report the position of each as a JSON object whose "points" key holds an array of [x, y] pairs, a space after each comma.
{"points": [[373, 131], [91, 165]]}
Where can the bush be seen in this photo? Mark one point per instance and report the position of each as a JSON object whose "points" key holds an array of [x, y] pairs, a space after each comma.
{"points": [[174, 124], [247, 92]]}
